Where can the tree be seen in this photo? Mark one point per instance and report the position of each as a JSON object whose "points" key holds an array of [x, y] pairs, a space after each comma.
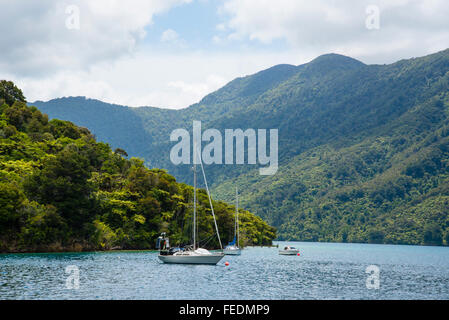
{"points": [[63, 183], [376, 236], [10, 93], [44, 226], [433, 235], [11, 201], [59, 128], [61, 190], [18, 115], [121, 152]]}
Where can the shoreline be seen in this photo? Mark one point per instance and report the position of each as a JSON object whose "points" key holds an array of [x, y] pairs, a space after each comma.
{"points": [[249, 246], [107, 251]]}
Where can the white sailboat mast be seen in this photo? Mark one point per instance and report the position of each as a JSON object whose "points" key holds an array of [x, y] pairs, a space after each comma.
{"points": [[194, 206], [210, 199], [237, 214]]}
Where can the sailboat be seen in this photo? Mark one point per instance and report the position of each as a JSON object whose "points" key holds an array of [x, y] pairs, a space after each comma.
{"points": [[233, 247], [192, 254]]}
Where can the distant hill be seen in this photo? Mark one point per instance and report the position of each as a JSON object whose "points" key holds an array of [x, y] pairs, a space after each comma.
{"points": [[61, 190], [364, 149]]}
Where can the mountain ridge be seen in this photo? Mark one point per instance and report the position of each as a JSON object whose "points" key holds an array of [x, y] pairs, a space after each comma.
{"points": [[330, 107]]}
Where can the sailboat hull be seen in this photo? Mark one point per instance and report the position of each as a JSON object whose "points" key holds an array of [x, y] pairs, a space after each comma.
{"points": [[288, 252], [232, 252], [213, 258]]}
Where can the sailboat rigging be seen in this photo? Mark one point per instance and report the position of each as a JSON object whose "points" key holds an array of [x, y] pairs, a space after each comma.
{"points": [[193, 254]]}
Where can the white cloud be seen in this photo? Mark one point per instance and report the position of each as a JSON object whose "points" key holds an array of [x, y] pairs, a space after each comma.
{"points": [[218, 40], [220, 27], [38, 41], [407, 27], [169, 35], [106, 59], [151, 78], [199, 89]]}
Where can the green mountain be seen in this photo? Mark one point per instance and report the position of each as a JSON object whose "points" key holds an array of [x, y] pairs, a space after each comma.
{"points": [[62, 190], [363, 149]]}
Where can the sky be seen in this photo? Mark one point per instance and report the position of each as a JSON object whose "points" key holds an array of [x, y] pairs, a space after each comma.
{"points": [[171, 53]]}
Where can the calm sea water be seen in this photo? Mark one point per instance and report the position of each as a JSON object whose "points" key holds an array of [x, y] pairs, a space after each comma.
{"points": [[322, 271]]}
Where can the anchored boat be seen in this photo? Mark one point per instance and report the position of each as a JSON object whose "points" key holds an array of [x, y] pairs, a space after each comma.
{"points": [[191, 254], [288, 250], [232, 248]]}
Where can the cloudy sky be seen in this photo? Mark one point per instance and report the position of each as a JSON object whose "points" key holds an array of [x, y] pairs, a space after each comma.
{"points": [[170, 53]]}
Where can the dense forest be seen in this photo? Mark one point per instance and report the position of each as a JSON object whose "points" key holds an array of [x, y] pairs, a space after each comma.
{"points": [[60, 190], [363, 149]]}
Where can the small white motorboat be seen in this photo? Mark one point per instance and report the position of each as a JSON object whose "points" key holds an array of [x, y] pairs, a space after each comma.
{"points": [[289, 251]]}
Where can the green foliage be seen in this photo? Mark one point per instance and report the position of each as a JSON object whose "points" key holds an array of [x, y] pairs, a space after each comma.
{"points": [[433, 235], [9, 93], [63, 183], [11, 204], [363, 149], [62, 190], [43, 227]]}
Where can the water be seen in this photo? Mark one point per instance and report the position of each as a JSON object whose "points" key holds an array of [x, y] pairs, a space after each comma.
{"points": [[323, 271]]}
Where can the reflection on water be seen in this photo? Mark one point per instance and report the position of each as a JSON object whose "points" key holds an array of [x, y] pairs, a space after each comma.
{"points": [[322, 271]]}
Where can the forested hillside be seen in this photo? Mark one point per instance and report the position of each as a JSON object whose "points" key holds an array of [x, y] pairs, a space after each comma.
{"points": [[61, 190], [363, 149]]}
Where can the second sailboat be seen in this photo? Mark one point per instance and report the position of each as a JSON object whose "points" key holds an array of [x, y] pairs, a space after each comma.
{"points": [[233, 248]]}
